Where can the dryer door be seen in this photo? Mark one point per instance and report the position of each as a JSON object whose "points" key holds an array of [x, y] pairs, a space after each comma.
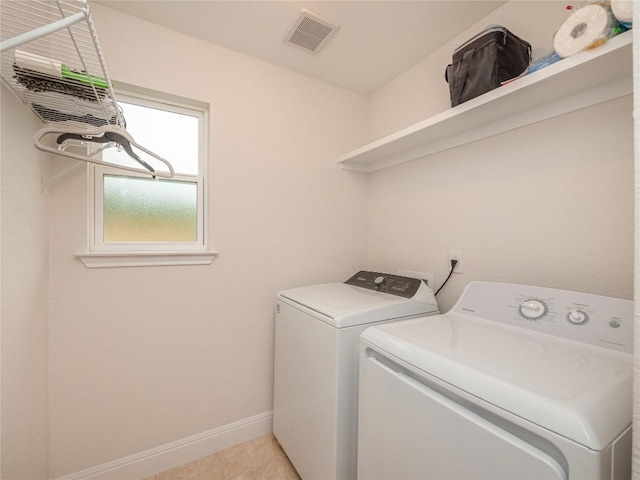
{"points": [[408, 431]]}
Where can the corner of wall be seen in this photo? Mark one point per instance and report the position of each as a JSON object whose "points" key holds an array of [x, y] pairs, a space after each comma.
{"points": [[421, 91], [24, 283]]}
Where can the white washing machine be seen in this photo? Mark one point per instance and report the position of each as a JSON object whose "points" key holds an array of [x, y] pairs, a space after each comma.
{"points": [[316, 364], [515, 382]]}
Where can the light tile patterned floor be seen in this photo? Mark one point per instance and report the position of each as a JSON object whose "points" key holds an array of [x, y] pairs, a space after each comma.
{"points": [[259, 459]]}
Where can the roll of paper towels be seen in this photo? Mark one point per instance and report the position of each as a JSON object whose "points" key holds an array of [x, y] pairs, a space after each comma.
{"points": [[586, 28], [623, 11]]}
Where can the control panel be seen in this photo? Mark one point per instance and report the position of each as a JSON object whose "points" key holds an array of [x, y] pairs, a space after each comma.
{"points": [[593, 319], [384, 282]]}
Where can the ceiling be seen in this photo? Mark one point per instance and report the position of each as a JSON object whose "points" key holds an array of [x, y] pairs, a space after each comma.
{"points": [[377, 40]]}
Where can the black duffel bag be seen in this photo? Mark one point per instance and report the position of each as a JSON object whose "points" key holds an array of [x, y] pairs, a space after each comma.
{"points": [[483, 62]]}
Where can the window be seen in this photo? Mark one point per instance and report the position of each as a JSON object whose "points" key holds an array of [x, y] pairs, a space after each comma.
{"points": [[138, 213]]}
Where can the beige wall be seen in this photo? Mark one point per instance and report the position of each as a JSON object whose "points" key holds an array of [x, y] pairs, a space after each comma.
{"points": [[144, 356], [139, 357], [636, 390], [550, 204], [24, 292]]}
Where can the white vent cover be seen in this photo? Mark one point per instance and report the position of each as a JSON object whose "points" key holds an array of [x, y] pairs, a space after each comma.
{"points": [[311, 32]]}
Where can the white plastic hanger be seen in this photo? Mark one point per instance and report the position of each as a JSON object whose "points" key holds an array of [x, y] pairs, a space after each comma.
{"points": [[109, 135]]}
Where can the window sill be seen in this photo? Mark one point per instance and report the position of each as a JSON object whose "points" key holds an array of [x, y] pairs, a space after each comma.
{"points": [[144, 259]]}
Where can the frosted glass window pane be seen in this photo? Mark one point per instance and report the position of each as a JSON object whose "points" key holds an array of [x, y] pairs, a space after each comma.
{"points": [[147, 210], [173, 136]]}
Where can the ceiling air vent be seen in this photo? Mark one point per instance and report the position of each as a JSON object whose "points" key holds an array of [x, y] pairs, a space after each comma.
{"points": [[311, 32]]}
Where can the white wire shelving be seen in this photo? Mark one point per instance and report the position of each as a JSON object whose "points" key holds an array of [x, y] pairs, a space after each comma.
{"points": [[50, 58]]}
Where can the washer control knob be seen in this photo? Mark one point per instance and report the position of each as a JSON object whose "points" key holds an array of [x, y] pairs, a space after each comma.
{"points": [[378, 281], [577, 317], [533, 309]]}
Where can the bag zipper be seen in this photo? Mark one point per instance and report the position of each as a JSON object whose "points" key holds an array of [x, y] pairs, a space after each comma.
{"points": [[489, 29]]}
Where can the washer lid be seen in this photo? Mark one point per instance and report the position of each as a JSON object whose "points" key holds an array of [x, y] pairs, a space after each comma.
{"points": [[342, 305], [576, 390]]}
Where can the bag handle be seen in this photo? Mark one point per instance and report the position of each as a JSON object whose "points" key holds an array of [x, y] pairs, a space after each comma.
{"points": [[461, 78]]}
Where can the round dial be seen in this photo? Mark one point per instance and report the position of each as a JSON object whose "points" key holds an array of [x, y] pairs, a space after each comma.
{"points": [[533, 309], [576, 316], [378, 281]]}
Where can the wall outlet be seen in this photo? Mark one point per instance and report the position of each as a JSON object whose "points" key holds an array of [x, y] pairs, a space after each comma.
{"points": [[421, 275], [456, 255]]}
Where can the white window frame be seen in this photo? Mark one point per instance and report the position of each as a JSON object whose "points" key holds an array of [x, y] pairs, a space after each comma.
{"points": [[104, 254]]}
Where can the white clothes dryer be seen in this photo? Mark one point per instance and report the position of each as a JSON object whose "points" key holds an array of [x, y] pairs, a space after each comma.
{"points": [[316, 364], [515, 382]]}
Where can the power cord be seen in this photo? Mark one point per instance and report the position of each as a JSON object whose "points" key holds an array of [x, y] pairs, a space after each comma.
{"points": [[453, 265]]}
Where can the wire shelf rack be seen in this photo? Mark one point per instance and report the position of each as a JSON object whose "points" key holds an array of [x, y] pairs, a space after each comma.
{"points": [[52, 61], [50, 58]]}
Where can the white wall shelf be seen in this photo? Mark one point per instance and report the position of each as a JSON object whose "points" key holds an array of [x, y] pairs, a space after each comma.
{"points": [[577, 82]]}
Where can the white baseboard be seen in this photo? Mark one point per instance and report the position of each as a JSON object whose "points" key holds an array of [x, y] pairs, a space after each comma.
{"points": [[165, 457]]}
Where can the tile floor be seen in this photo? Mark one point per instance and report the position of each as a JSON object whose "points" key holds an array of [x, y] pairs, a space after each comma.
{"points": [[259, 459]]}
